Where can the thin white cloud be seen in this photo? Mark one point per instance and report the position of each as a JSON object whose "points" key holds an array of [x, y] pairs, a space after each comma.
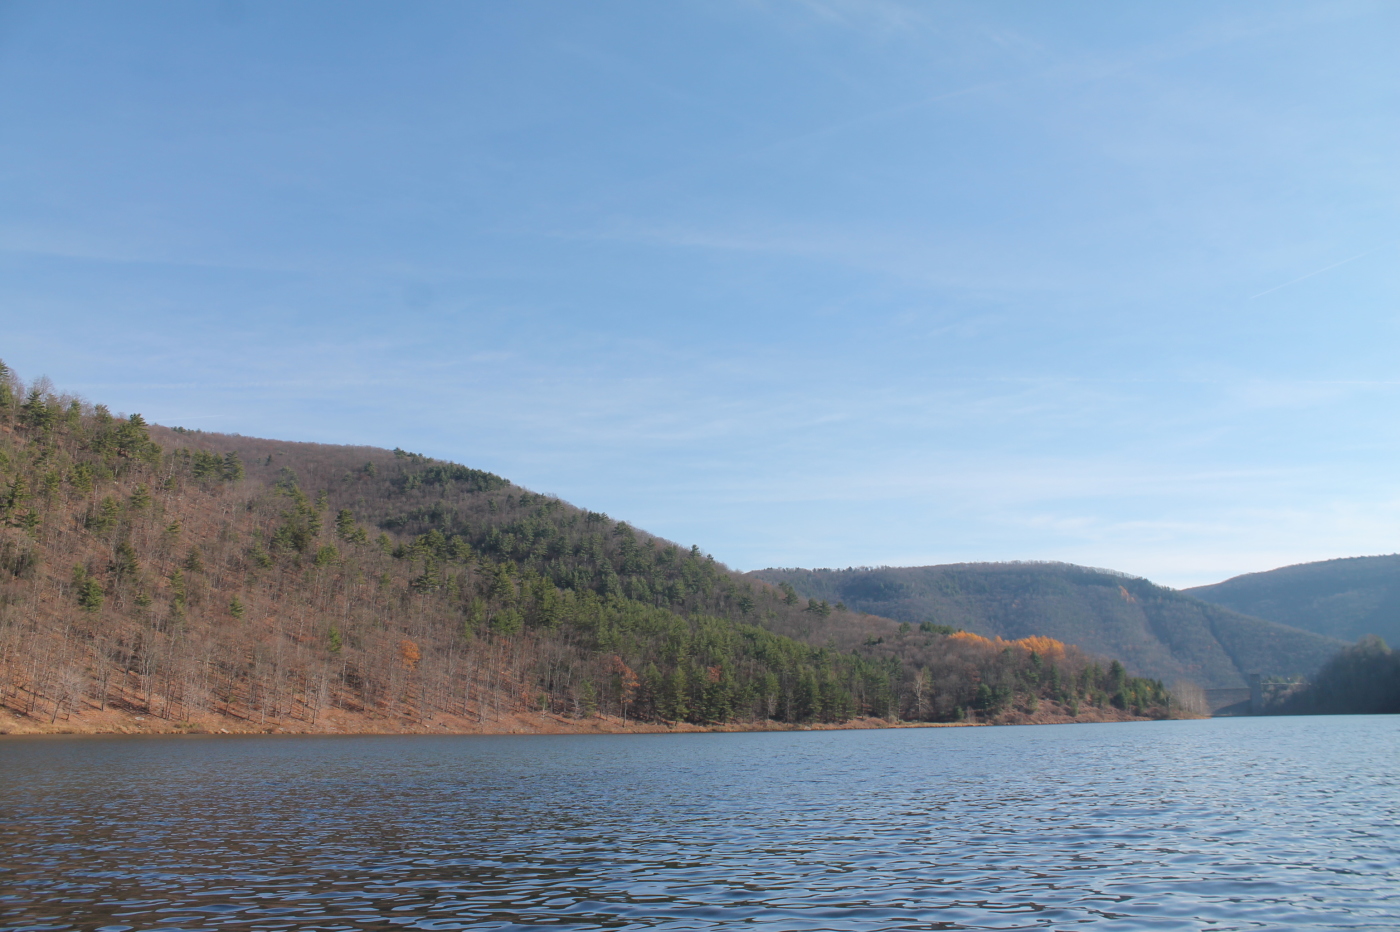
{"points": [[1303, 278]]}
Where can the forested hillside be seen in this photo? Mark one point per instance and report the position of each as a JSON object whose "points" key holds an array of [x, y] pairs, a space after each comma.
{"points": [[1155, 631], [190, 576], [1347, 598], [1364, 679]]}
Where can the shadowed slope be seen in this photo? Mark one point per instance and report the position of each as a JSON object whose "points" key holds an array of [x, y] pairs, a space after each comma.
{"points": [[1156, 631], [1347, 598]]}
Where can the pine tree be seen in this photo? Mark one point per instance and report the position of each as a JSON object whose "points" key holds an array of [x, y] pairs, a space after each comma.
{"points": [[140, 498], [178, 592], [88, 590], [233, 470], [7, 392], [90, 596], [345, 524], [124, 566], [104, 519]]}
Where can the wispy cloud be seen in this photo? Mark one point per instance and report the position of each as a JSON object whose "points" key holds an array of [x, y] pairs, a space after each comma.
{"points": [[1328, 268]]}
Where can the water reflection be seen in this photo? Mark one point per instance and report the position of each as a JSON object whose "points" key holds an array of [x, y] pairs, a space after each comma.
{"points": [[1227, 824]]}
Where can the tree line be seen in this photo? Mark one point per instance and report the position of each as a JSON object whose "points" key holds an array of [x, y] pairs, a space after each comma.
{"points": [[1364, 679]]}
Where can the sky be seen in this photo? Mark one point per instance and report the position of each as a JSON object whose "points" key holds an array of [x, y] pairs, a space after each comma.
{"points": [[805, 283]]}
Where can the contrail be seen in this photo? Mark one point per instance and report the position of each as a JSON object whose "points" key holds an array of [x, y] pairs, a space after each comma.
{"points": [[1311, 274], [872, 117]]}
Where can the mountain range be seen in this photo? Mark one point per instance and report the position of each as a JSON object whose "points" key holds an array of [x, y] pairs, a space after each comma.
{"points": [[1156, 631], [185, 573], [1347, 598]]}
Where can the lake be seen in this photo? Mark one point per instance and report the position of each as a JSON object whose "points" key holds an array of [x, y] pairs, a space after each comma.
{"points": [[1248, 823]]}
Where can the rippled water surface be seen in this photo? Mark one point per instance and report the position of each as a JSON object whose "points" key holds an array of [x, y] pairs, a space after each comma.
{"points": [[1225, 824]]}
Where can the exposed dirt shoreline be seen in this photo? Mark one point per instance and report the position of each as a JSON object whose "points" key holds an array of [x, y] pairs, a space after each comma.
{"points": [[121, 722]]}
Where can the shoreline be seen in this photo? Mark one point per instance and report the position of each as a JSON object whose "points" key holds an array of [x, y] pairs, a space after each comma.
{"points": [[338, 722]]}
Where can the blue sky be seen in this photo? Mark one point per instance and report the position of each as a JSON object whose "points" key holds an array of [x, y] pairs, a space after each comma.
{"points": [[806, 283]]}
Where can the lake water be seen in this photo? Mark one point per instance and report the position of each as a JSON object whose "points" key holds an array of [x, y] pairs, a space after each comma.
{"points": [[1269, 823]]}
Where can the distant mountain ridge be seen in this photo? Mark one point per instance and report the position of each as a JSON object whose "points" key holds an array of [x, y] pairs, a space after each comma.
{"points": [[1156, 631], [1346, 598]]}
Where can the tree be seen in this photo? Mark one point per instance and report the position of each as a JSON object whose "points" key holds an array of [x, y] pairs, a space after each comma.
{"points": [[35, 413], [14, 500], [627, 683], [587, 699], [179, 594], [90, 596], [1116, 685], [7, 392], [1364, 679], [124, 566], [104, 518], [507, 622], [675, 702], [651, 689], [920, 689], [233, 470], [715, 696]]}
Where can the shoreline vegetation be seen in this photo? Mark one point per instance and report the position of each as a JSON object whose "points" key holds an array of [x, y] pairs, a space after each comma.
{"points": [[127, 722], [156, 576]]}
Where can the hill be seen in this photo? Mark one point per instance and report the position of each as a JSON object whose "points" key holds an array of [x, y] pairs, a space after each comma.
{"points": [[1364, 679], [1347, 598], [1155, 631], [247, 583]]}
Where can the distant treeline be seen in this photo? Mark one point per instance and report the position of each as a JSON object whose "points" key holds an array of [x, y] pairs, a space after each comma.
{"points": [[1363, 679], [267, 581]]}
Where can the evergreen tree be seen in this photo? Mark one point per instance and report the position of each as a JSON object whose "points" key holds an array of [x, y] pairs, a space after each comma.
{"points": [[233, 470], [90, 596], [179, 594], [124, 566]]}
